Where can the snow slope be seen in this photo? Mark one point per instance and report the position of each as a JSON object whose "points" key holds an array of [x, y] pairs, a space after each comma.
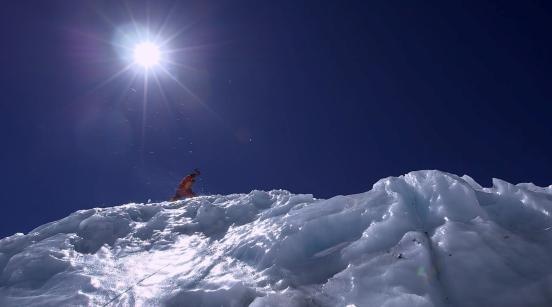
{"points": [[427, 238]]}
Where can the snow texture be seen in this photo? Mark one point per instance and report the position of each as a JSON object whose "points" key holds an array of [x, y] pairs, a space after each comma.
{"points": [[427, 238]]}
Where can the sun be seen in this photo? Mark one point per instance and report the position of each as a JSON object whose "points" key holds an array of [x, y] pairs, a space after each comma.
{"points": [[152, 54], [147, 54]]}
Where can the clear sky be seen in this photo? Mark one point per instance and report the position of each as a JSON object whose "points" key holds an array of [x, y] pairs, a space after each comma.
{"points": [[321, 97]]}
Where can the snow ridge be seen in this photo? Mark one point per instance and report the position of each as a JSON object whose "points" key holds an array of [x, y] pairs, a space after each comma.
{"points": [[427, 238]]}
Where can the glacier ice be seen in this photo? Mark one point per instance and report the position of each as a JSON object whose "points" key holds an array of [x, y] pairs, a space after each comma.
{"points": [[427, 238]]}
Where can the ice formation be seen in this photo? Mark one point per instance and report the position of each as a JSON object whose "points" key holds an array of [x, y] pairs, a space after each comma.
{"points": [[427, 238]]}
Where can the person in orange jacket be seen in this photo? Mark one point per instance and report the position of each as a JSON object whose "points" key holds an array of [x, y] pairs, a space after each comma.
{"points": [[184, 189]]}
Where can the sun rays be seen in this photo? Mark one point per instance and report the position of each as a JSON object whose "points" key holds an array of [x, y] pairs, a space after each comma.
{"points": [[150, 56]]}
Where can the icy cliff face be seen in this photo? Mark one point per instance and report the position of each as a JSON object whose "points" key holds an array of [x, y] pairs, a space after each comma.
{"points": [[427, 238]]}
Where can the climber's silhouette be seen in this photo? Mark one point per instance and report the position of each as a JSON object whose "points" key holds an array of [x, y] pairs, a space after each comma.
{"points": [[184, 189]]}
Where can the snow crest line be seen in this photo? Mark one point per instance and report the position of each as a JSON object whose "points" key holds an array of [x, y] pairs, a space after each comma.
{"points": [[424, 239]]}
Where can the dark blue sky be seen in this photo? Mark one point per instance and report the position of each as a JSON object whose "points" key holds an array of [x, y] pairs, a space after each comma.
{"points": [[321, 97]]}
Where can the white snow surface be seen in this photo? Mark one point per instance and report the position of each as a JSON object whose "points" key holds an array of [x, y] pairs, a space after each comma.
{"points": [[427, 238]]}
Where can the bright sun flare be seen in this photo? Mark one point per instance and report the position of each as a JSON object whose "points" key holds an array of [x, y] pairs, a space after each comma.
{"points": [[146, 54]]}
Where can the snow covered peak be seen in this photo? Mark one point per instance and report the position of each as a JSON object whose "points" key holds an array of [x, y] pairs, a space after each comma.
{"points": [[427, 238]]}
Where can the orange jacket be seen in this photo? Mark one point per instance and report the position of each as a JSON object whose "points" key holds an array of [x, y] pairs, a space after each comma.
{"points": [[185, 185], [184, 189]]}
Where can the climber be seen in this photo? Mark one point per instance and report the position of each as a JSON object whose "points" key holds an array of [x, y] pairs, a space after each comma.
{"points": [[184, 189]]}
